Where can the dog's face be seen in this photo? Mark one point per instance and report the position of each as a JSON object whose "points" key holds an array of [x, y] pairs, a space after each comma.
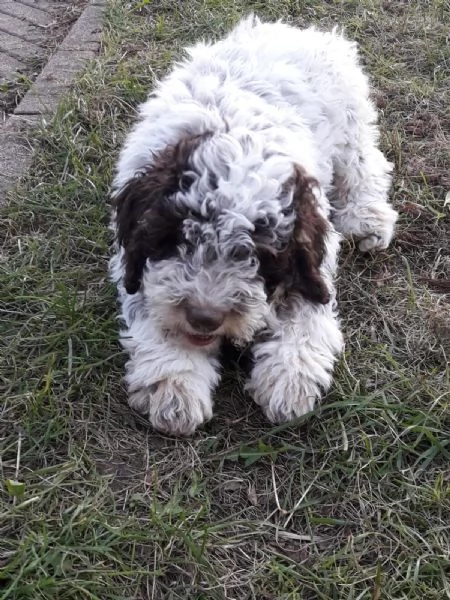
{"points": [[214, 231]]}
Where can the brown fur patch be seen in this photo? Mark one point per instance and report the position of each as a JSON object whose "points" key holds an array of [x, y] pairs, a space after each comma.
{"points": [[148, 225], [296, 268]]}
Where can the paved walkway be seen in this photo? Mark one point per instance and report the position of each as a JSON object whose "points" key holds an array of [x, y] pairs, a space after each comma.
{"points": [[22, 30], [30, 31], [33, 47]]}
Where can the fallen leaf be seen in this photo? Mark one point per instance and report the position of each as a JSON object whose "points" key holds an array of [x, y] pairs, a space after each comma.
{"points": [[233, 485], [447, 199], [251, 494], [15, 488]]}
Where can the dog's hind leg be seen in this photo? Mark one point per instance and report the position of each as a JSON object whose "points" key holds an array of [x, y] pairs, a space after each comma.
{"points": [[362, 179]]}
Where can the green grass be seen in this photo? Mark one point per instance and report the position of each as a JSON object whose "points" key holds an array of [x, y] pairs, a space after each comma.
{"points": [[352, 503]]}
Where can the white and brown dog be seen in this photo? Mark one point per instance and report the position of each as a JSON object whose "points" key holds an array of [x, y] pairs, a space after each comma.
{"points": [[249, 160]]}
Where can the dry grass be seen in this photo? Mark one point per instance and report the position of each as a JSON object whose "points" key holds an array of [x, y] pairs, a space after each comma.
{"points": [[352, 503]]}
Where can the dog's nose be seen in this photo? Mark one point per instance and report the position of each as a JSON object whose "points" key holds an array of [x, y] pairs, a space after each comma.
{"points": [[204, 319]]}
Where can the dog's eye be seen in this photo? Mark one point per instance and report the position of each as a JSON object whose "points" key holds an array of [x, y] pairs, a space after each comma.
{"points": [[186, 180], [265, 228], [189, 248], [240, 253]]}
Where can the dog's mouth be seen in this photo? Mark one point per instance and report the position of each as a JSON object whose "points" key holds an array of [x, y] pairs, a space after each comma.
{"points": [[200, 340]]}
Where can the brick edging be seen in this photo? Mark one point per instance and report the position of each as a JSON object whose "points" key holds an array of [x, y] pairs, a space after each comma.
{"points": [[80, 45]]}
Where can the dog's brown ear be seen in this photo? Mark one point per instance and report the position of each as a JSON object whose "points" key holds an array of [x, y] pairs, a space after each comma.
{"points": [[147, 220], [295, 269], [308, 240], [148, 225]]}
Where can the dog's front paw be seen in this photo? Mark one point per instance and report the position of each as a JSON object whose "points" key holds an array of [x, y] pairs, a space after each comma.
{"points": [[282, 399], [175, 406], [380, 229], [284, 391], [291, 372], [374, 242]]}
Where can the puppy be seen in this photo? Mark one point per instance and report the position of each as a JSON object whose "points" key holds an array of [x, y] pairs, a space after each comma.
{"points": [[248, 163]]}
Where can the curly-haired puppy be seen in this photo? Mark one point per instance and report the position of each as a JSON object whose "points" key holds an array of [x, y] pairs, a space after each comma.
{"points": [[249, 160]]}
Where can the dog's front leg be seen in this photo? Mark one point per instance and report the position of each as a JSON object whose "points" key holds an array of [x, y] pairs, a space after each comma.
{"points": [[293, 363], [170, 383]]}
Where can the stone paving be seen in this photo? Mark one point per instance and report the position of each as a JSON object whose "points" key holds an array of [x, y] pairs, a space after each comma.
{"points": [[29, 50], [29, 32]]}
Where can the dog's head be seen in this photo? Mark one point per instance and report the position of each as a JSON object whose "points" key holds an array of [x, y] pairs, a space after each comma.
{"points": [[214, 231]]}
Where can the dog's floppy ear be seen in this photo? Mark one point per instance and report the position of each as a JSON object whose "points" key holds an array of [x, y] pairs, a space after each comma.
{"points": [[148, 225], [295, 269], [147, 220], [308, 240]]}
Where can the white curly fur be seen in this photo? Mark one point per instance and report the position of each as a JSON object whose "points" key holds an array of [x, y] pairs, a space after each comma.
{"points": [[272, 97]]}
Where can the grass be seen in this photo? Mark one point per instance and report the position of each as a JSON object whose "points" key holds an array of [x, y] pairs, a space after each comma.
{"points": [[352, 503]]}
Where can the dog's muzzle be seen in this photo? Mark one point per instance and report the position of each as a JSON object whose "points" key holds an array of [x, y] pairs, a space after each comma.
{"points": [[204, 321]]}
